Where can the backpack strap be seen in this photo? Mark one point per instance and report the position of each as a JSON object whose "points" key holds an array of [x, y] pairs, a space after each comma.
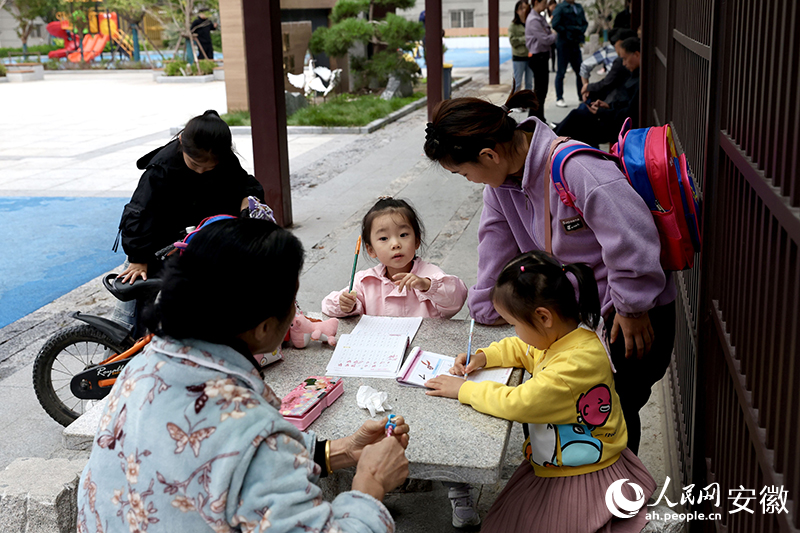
{"points": [[554, 171], [548, 229]]}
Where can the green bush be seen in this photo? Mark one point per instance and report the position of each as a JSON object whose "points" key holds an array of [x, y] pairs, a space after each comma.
{"points": [[236, 118], [2, 70], [32, 50], [216, 41], [178, 67], [207, 66]]}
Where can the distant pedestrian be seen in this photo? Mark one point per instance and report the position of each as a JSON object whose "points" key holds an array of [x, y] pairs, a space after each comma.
{"points": [[202, 28], [519, 51], [569, 21], [548, 16], [539, 37], [623, 18]]}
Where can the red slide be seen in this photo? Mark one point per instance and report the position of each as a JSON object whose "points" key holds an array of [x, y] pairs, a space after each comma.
{"points": [[70, 40]]}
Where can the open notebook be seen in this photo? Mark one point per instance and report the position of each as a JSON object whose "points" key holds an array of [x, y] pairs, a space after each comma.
{"points": [[374, 349], [422, 366]]}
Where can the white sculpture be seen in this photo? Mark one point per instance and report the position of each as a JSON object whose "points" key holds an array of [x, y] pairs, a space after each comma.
{"points": [[319, 79]]}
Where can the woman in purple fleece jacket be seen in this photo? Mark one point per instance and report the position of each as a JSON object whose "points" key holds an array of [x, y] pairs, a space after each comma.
{"points": [[616, 236]]}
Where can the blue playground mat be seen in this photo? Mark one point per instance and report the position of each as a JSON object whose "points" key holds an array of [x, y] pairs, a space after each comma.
{"points": [[470, 57], [50, 246]]}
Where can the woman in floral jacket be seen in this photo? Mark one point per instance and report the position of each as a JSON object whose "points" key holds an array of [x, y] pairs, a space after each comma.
{"points": [[191, 438]]}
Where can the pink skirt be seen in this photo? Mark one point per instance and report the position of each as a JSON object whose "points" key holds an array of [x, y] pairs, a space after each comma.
{"points": [[575, 504]]}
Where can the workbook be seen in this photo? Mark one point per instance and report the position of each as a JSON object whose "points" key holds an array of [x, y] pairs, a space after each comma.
{"points": [[375, 348], [422, 366]]}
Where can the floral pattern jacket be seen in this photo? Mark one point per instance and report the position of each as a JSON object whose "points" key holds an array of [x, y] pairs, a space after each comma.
{"points": [[191, 440]]}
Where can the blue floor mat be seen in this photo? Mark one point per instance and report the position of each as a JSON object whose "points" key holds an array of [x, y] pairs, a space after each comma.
{"points": [[470, 57], [50, 246]]}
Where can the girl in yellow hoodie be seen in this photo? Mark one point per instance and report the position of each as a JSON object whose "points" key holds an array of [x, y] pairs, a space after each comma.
{"points": [[579, 475]]}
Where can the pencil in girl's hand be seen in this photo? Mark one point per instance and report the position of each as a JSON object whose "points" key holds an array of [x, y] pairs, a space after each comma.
{"points": [[469, 345], [355, 262]]}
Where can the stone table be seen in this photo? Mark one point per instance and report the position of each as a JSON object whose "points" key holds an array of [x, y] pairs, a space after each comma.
{"points": [[449, 441]]}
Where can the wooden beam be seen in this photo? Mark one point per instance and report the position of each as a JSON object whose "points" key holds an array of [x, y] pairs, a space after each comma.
{"points": [[433, 52], [264, 56], [494, 42]]}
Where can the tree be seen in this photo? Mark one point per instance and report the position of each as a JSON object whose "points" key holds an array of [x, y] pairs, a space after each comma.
{"points": [[25, 13], [181, 13], [602, 13], [387, 39]]}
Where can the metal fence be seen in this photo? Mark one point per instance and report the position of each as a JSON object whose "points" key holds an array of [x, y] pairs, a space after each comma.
{"points": [[723, 73]]}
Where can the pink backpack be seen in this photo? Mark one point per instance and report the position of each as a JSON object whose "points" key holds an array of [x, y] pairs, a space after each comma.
{"points": [[648, 158]]}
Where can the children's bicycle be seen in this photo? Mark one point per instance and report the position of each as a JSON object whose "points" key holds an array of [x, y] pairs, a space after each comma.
{"points": [[77, 366]]}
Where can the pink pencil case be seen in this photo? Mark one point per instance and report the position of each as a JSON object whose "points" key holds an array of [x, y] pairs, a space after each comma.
{"points": [[306, 401]]}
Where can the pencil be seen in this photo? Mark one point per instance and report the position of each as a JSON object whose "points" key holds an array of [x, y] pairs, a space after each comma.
{"points": [[469, 345], [355, 262]]}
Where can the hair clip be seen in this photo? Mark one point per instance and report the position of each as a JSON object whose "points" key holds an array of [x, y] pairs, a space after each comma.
{"points": [[563, 267], [384, 197], [504, 107], [522, 268]]}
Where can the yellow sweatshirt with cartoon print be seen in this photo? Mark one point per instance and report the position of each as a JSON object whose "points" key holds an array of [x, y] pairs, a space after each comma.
{"points": [[569, 408]]}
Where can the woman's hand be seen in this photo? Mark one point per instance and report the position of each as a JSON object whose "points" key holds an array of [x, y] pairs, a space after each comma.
{"points": [[134, 271], [447, 386], [476, 362], [412, 281], [373, 431], [347, 301], [382, 467], [638, 333]]}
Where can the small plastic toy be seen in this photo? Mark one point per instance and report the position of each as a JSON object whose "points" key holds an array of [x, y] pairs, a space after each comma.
{"points": [[305, 329], [390, 425]]}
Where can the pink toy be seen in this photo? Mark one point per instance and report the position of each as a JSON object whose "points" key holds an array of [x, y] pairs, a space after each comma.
{"points": [[304, 329]]}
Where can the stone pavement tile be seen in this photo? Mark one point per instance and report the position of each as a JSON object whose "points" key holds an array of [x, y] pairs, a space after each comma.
{"points": [[91, 183], [45, 162], [32, 185]]}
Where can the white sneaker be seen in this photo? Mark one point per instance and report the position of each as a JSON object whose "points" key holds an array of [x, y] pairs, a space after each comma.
{"points": [[464, 512], [561, 103]]}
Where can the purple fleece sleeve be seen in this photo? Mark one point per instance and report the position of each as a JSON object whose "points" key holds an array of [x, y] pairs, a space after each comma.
{"points": [[496, 247], [631, 250]]}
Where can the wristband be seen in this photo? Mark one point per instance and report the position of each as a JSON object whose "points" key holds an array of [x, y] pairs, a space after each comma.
{"points": [[328, 456]]}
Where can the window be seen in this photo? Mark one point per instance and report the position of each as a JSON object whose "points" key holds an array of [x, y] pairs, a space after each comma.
{"points": [[462, 18]]}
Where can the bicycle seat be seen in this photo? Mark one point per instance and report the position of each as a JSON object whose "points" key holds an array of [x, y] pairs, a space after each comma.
{"points": [[125, 292]]}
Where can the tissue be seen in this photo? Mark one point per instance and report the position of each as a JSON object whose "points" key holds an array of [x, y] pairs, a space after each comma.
{"points": [[369, 398]]}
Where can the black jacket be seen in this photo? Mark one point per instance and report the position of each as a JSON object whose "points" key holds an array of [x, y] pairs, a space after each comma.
{"points": [[171, 197], [569, 21], [202, 28], [606, 89]]}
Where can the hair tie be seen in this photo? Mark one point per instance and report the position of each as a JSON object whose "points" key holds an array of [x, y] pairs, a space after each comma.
{"points": [[504, 107], [522, 268], [563, 267], [384, 197]]}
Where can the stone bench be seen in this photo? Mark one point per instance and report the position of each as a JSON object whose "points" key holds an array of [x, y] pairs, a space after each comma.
{"points": [[36, 69], [40, 495]]}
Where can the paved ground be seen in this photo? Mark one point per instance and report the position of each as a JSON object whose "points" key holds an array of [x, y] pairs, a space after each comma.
{"points": [[78, 135]]}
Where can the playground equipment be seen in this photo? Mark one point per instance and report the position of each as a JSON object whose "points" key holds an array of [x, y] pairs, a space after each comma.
{"points": [[102, 27]]}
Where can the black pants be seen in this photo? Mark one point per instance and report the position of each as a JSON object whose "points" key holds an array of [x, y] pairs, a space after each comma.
{"points": [[541, 81], [635, 377], [568, 53], [583, 125]]}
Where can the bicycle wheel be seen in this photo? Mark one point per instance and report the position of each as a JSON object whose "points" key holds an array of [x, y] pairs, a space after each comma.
{"points": [[68, 352]]}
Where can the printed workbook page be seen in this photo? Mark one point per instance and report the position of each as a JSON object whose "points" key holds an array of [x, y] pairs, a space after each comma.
{"points": [[422, 366], [388, 325], [368, 356]]}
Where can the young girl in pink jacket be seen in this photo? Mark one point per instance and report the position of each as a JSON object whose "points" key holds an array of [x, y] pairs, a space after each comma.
{"points": [[402, 284]]}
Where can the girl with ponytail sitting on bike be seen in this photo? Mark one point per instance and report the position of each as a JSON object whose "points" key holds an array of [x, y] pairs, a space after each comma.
{"points": [[194, 176], [192, 439]]}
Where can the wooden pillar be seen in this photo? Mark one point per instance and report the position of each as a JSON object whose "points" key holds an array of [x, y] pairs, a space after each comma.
{"points": [[230, 15], [264, 56], [494, 42], [433, 52]]}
